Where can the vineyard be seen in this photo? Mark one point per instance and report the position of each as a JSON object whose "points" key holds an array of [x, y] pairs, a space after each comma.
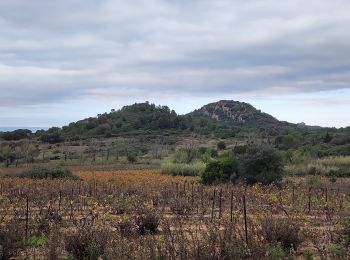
{"points": [[142, 214]]}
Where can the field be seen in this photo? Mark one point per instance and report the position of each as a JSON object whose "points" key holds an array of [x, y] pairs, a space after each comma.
{"points": [[143, 214]]}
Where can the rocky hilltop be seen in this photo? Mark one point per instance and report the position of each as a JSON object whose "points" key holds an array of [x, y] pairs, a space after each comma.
{"points": [[237, 113]]}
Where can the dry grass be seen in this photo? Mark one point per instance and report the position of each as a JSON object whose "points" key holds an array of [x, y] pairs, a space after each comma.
{"points": [[195, 222], [322, 166], [150, 178]]}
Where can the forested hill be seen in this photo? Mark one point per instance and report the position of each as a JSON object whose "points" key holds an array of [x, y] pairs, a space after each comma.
{"points": [[223, 119], [146, 118], [137, 117]]}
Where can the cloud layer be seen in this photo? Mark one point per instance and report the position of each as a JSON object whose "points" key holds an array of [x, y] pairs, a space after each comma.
{"points": [[58, 51]]}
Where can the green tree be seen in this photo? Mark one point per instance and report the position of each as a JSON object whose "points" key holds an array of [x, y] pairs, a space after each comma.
{"points": [[220, 171], [132, 157], [7, 155], [30, 152], [118, 148], [261, 164], [52, 136], [327, 138]]}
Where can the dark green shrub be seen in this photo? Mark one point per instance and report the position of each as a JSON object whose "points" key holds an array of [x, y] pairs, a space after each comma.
{"points": [[313, 171], [16, 135], [261, 164], [341, 139], [52, 138], [132, 158], [48, 173], [240, 149], [275, 252], [333, 179], [221, 145], [220, 171], [341, 173]]}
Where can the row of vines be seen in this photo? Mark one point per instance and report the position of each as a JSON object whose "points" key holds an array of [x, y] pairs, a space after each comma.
{"points": [[108, 215]]}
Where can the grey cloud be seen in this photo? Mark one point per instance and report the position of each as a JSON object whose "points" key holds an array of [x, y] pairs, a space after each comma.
{"points": [[53, 51], [328, 101]]}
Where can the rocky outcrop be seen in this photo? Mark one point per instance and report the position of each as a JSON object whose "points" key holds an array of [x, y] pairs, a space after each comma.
{"points": [[238, 113]]}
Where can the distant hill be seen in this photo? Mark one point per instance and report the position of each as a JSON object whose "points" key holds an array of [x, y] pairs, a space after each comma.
{"points": [[222, 119], [225, 118], [31, 128], [133, 119], [302, 125], [237, 113], [147, 123]]}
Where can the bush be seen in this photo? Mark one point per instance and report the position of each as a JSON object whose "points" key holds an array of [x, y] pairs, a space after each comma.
{"points": [[221, 145], [48, 173], [308, 254], [147, 220], [275, 252], [337, 251], [231, 245], [239, 149], [127, 228], [281, 231], [316, 182], [86, 243], [346, 231], [11, 239], [341, 173], [180, 206], [16, 135], [132, 158], [262, 164], [185, 155], [52, 138], [183, 169], [220, 171], [205, 154]]}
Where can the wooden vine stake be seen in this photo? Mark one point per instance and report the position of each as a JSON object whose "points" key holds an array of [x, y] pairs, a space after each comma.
{"points": [[192, 195], [293, 197], [220, 204], [59, 201], [213, 206], [231, 206], [309, 200], [27, 218], [245, 218]]}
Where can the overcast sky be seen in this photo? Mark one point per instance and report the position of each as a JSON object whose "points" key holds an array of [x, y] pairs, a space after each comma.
{"points": [[61, 61]]}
